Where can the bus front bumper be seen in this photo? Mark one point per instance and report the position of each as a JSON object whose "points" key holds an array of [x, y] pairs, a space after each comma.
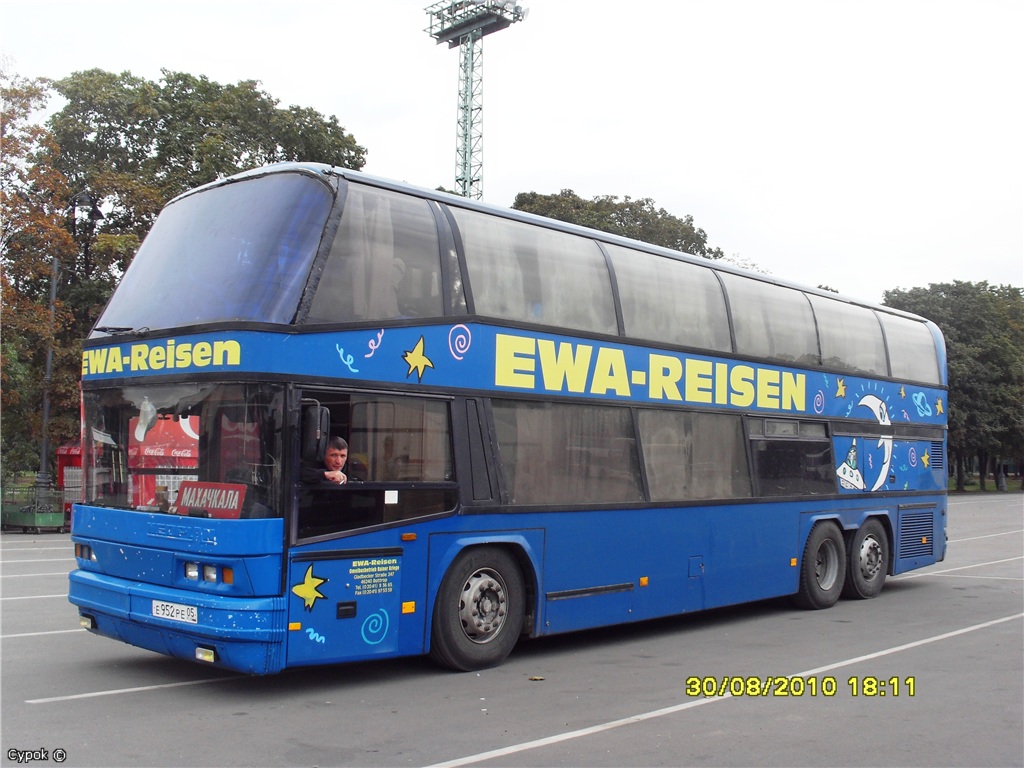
{"points": [[246, 634]]}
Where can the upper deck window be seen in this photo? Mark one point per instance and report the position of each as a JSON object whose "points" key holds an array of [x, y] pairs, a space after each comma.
{"points": [[237, 252], [528, 273], [670, 301], [384, 263], [771, 321], [851, 338], [912, 352]]}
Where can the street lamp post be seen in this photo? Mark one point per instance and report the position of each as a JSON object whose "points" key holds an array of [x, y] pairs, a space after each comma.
{"points": [[43, 479]]}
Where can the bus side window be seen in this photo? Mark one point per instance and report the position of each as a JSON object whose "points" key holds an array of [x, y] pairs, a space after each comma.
{"points": [[791, 458], [399, 464], [385, 262], [771, 321], [553, 453], [691, 455], [512, 275]]}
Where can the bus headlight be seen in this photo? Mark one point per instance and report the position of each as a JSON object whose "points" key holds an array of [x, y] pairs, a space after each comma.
{"points": [[210, 573]]}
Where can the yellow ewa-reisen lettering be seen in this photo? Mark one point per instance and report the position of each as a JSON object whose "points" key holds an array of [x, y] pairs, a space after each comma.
{"points": [[562, 366], [535, 364], [161, 356]]}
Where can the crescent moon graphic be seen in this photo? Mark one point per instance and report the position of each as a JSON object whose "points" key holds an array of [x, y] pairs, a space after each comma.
{"points": [[881, 412]]}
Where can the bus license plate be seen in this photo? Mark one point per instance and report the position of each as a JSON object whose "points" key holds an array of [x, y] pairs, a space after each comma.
{"points": [[176, 612]]}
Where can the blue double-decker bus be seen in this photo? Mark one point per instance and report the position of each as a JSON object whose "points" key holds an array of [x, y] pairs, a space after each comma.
{"points": [[546, 429]]}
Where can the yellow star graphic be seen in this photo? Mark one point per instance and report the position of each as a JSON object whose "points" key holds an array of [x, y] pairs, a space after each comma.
{"points": [[841, 388], [903, 391], [417, 361], [926, 460], [938, 406], [307, 590]]}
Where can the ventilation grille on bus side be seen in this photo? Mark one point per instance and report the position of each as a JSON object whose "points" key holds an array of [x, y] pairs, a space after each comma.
{"points": [[917, 534], [938, 457]]}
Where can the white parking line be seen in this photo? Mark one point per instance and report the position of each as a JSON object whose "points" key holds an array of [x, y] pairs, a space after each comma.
{"points": [[986, 536], [130, 690], [516, 748], [34, 597], [40, 634], [26, 575], [919, 574]]}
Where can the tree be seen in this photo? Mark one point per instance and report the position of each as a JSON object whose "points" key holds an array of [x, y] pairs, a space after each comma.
{"points": [[139, 143], [636, 219], [33, 238], [132, 145], [983, 326]]}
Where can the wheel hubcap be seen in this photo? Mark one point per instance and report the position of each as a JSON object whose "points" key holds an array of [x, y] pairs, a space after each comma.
{"points": [[826, 565], [483, 606], [870, 558]]}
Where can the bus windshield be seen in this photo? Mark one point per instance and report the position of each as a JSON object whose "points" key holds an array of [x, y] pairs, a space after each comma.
{"points": [[237, 252], [206, 450]]}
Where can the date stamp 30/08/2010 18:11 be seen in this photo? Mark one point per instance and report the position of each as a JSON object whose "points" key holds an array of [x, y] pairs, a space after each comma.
{"points": [[752, 685]]}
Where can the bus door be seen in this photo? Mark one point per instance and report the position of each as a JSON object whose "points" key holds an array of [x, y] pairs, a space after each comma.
{"points": [[343, 605]]}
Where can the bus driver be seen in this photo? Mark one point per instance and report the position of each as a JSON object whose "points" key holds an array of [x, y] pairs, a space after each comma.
{"points": [[334, 459]]}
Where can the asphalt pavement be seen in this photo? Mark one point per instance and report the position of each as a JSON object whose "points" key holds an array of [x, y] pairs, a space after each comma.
{"points": [[929, 673]]}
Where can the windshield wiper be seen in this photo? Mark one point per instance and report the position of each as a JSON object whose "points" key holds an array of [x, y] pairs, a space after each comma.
{"points": [[121, 330]]}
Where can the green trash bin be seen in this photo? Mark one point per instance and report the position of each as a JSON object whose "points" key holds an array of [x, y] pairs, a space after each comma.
{"points": [[31, 510]]}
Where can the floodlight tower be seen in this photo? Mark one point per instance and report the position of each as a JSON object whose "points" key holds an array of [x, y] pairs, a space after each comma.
{"points": [[464, 23]]}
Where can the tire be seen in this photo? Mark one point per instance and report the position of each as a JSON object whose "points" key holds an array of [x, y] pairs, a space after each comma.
{"points": [[479, 610], [867, 561], [823, 568]]}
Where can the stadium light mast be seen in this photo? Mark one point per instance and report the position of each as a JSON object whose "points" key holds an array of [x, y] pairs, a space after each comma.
{"points": [[464, 23]]}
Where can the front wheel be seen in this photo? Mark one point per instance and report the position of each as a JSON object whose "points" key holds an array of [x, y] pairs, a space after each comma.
{"points": [[479, 610], [868, 561], [823, 570]]}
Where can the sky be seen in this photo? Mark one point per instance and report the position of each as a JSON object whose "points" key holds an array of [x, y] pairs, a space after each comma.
{"points": [[865, 145]]}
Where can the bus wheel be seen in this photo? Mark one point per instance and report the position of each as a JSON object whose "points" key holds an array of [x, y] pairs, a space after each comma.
{"points": [[823, 569], [479, 610], [868, 561]]}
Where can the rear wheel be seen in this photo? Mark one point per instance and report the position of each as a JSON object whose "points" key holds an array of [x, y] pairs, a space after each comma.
{"points": [[867, 561], [479, 610], [823, 570]]}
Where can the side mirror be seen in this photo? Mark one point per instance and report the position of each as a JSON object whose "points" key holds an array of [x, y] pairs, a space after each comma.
{"points": [[316, 426]]}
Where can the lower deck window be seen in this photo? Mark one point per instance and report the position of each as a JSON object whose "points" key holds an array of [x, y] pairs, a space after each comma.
{"points": [[792, 458], [399, 463], [567, 454], [694, 455]]}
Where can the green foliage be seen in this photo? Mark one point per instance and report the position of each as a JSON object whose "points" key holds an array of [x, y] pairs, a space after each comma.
{"points": [[635, 219], [139, 143], [983, 326]]}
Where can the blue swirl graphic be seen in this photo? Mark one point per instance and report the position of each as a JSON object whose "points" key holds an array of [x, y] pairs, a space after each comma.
{"points": [[346, 359], [375, 627]]}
